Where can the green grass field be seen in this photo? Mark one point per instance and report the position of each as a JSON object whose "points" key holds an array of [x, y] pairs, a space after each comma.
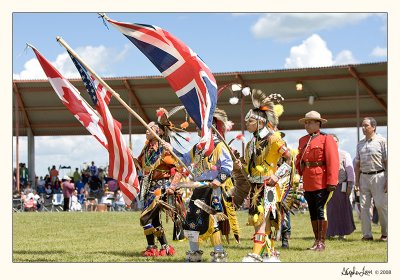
{"points": [[118, 237]]}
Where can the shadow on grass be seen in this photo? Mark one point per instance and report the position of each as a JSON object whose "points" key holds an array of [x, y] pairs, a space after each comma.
{"points": [[138, 258], [31, 252], [37, 260], [127, 254]]}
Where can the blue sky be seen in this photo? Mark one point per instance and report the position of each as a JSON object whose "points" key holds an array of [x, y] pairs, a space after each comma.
{"points": [[226, 42]]}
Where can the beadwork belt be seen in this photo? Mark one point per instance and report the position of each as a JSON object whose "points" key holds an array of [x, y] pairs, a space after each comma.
{"points": [[159, 182]]}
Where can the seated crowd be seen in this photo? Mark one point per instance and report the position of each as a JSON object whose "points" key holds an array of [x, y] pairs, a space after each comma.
{"points": [[92, 191]]}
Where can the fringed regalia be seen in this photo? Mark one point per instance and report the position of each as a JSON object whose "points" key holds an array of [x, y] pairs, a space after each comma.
{"points": [[262, 154], [159, 172], [200, 224]]}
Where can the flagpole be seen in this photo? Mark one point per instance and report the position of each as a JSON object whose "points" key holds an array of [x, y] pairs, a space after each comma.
{"points": [[230, 151], [117, 96]]}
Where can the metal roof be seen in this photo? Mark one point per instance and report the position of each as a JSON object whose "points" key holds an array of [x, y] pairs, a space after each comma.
{"points": [[334, 90]]}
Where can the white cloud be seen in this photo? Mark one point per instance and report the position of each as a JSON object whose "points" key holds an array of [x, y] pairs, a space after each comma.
{"points": [[379, 52], [100, 58], [344, 57], [32, 70], [314, 52], [288, 26]]}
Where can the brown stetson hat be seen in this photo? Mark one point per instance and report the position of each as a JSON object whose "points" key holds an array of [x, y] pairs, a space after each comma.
{"points": [[313, 115]]}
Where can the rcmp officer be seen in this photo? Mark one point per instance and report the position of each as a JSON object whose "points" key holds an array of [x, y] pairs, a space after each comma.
{"points": [[318, 163]]}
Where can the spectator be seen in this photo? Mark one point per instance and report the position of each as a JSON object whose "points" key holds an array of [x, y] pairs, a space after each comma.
{"points": [[67, 189], [101, 176], [28, 189], [41, 185], [85, 176], [38, 200], [23, 197], [95, 187], [32, 201], [57, 186], [79, 185], [339, 210], [371, 178], [81, 197], [94, 172], [77, 175], [47, 179], [14, 179], [112, 185], [75, 205], [318, 162], [107, 197], [47, 190], [29, 204], [23, 174], [119, 203], [53, 175], [90, 202]]}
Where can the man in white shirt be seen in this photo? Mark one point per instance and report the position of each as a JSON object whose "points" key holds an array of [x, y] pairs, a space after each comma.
{"points": [[371, 178]]}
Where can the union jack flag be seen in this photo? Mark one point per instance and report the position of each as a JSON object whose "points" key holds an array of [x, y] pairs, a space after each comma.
{"points": [[188, 75], [121, 165]]}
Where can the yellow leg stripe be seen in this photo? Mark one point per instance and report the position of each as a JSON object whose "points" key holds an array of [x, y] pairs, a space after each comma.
{"points": [[325, 205]]}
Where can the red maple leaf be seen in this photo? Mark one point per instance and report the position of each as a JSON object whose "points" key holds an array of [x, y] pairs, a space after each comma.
{"points": [[76, 107]]}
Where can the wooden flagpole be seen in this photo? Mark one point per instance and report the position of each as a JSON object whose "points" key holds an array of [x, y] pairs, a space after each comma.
{"points": [[232, 154], [117, 96]]}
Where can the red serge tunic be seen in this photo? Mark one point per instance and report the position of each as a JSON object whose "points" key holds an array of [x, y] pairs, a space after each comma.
{"points": [[318, 162]]}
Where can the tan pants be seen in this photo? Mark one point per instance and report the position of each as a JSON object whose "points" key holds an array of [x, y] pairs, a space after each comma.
{"points": [[372, 186]]}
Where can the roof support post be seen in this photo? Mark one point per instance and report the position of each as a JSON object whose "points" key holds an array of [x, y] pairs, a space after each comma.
{"points": [[31, 158], [369, 89]]}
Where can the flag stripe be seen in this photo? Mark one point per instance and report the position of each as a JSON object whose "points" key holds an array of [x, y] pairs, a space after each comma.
{"points": [[119, 156]]}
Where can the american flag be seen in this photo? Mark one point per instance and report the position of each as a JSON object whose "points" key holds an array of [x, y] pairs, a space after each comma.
{"points": [[121, 166], [88, 81], [188, 75], [71, 98]]}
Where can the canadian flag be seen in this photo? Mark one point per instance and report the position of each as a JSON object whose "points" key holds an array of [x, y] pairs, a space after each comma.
{"points": [[72, 99]]}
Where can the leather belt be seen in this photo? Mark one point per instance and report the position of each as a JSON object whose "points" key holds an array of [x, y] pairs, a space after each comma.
{"points": [[373, 172], [313, 163]]}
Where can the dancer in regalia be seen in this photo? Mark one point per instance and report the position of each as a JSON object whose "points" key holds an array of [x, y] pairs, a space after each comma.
{"points": [[209, 205], [161, 173], [261, 157]]}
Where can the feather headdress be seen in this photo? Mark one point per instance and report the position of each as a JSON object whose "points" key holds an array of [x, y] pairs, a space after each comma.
{"points": [[222, 124], [263, 108], [170, 132]]}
